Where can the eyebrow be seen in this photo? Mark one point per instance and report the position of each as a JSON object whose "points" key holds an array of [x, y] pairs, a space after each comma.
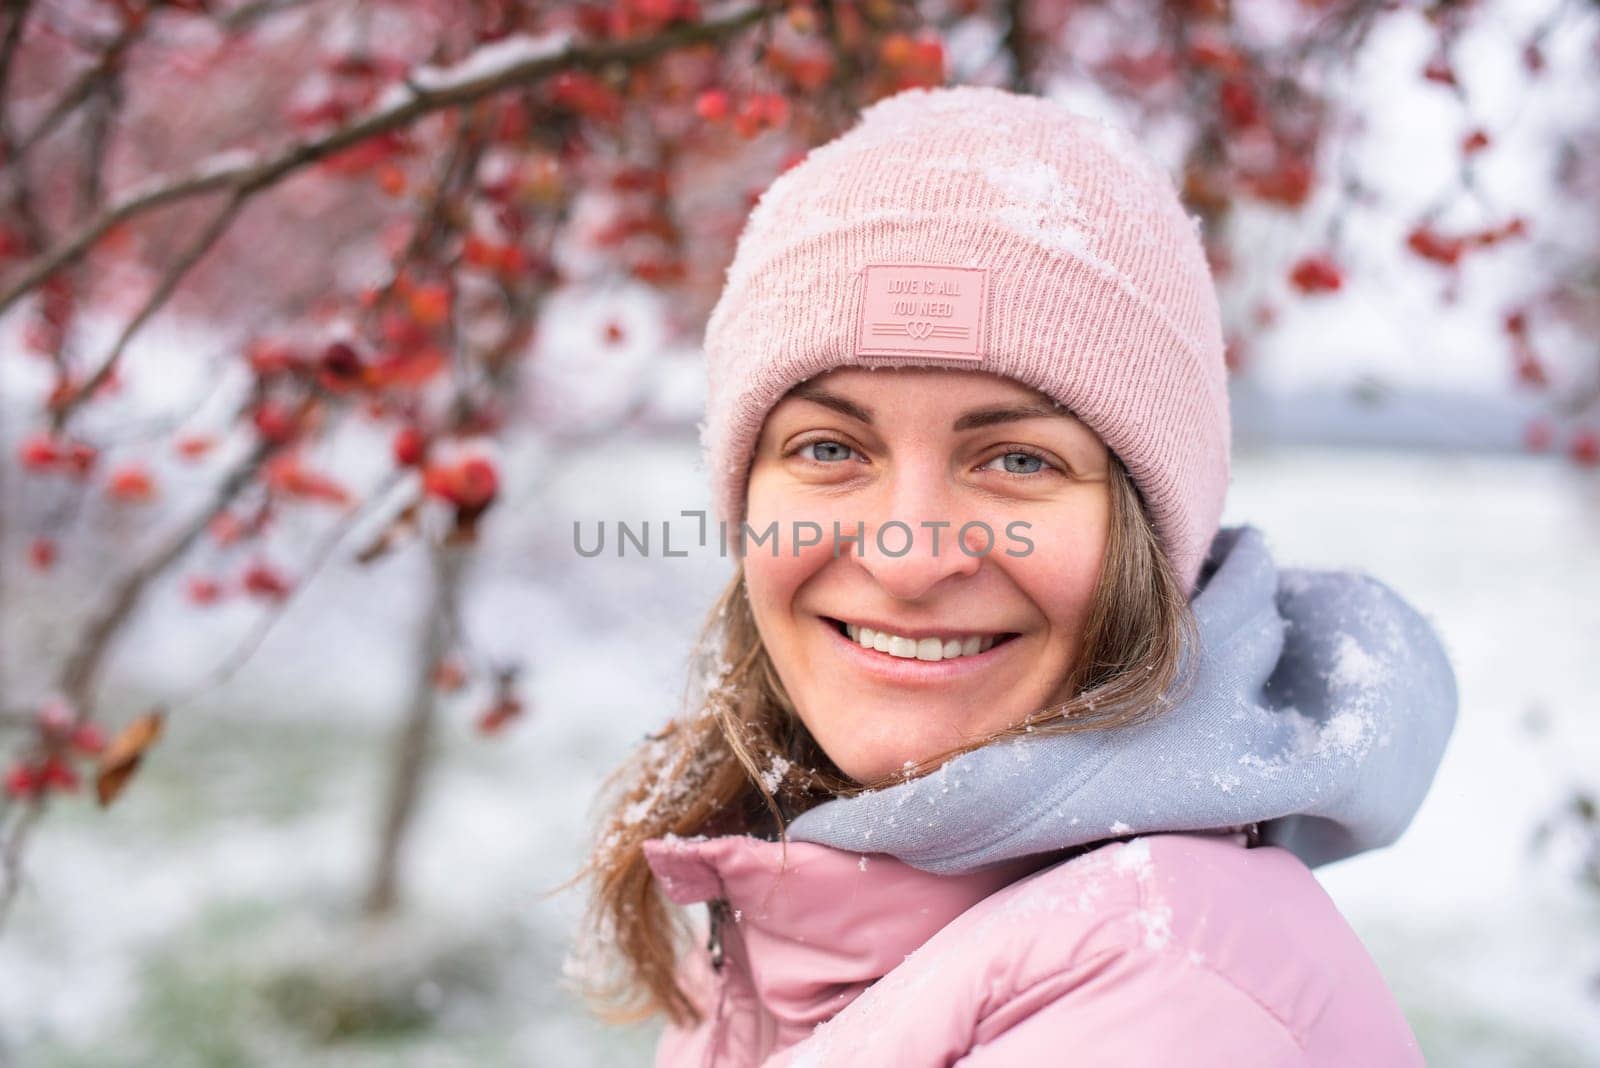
{"points": [[975, 419]]}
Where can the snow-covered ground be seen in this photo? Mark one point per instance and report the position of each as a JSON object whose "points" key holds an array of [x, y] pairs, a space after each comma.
{"points": [[208, 917]]}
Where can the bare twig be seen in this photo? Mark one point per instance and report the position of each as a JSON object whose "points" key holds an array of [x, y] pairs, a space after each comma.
{"points": [[169, 283], [1019, 47], [324, 551], [18, 12], [77, 678], [465, 152], [245, 17], [82, 88], [16, 835]]}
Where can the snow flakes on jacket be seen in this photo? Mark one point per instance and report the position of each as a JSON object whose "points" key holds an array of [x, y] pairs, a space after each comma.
{"points": [[1170, 948]]}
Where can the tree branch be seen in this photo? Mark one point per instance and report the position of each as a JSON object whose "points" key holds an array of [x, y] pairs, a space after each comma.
{"points": [[81, 89], [416, 101]]}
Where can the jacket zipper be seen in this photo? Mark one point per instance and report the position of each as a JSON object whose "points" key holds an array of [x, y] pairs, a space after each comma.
{"points": [[718, 909]]}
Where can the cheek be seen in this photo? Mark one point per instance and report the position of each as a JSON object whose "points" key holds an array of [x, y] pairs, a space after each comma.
{"points": [[1060, 572], [771, 580], [774, 569]]}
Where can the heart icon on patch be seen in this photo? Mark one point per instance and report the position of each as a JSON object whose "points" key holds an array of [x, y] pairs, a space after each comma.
{"points": [[919, 329]]}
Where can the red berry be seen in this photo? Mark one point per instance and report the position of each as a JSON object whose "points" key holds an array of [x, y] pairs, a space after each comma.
{"points": [[270, 357], [59, 773], [194, 446], [203, 590], [499, 714], [1432, 245], [897, 50], [1238, 102], [341, 364], [261, 580], [929, 54], [275, 422], [1528, 366], [712, 105], [1585, 447], [476, 482], [430, 304], [38, 452], [410, 446], [22, 780], [131, 483], [468, 483], [1316, 274], [480, 252]]}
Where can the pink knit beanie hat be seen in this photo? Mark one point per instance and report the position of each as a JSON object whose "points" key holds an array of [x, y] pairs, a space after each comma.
{"points": [[980, 229]]}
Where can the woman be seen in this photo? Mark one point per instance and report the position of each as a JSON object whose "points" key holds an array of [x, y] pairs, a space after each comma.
{"points": [[1006, 753]]}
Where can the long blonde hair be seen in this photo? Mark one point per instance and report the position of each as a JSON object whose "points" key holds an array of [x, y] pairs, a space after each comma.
{"points": [[708, 770]]}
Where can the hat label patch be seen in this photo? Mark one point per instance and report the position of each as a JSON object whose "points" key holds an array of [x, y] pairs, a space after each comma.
{"points": [[922, 310]]}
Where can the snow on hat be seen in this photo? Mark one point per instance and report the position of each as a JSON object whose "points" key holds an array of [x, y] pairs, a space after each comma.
{"points": [[980, 229]]}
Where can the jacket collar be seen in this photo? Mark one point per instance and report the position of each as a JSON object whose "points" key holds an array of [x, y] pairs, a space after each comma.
{"points": [[799, 916]]}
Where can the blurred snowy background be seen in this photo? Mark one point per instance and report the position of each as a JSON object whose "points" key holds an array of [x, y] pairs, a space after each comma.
{"points": [[147, 928], [212, 916], [206, 919]]}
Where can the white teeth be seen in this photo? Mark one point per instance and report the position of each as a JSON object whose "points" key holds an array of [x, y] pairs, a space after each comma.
{"points": [[919, 649]]}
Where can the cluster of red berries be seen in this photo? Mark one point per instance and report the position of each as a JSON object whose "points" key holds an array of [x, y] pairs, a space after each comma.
{"points": [[62, 736]]}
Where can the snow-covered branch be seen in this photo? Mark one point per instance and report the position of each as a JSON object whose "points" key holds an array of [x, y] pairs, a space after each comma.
{"points": [[492, 69]]}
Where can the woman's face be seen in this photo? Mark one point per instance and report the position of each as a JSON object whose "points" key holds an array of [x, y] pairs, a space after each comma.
{"points": [[894, 449]]}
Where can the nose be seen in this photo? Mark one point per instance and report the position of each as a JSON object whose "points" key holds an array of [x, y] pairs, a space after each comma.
{"points": [[911, 541]]}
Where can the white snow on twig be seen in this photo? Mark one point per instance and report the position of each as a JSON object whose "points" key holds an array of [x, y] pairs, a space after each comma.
{"points": [[494, 58]]}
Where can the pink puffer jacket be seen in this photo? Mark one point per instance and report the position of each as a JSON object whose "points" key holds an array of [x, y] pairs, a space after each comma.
{"points": [[1168, 949]]}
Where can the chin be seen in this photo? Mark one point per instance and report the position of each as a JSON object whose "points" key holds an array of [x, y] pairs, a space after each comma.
{"points": [[865, 763]]}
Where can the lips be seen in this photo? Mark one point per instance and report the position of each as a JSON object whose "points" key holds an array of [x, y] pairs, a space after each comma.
{"points": [[908, 670]]}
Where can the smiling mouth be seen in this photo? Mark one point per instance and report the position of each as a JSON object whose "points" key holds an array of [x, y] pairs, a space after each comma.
{"points": [[927, 650]]}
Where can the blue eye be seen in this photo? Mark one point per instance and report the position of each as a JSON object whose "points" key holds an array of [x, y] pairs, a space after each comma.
{"points": [[1024, 456], [839, 450]]}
